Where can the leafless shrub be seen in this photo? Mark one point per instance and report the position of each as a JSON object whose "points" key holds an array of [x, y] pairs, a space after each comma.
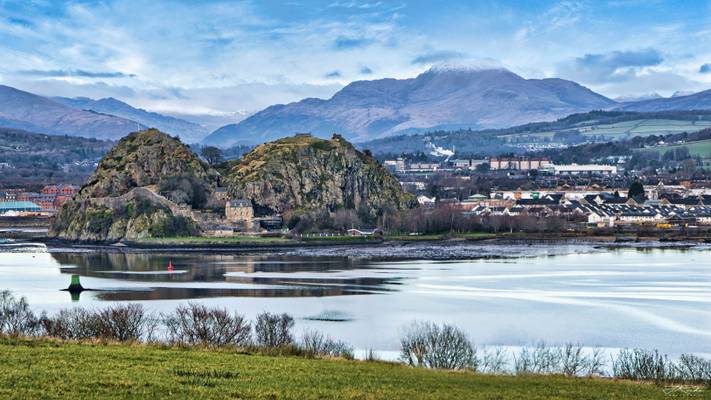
{"points": [[122, 323], [429, 345], [494, 361], [538, 359], [316, 344], [638, 364], [523, 362], [274, 330], [572, 360], [195, 324], [75, 323], [595, 363], [16, 318], [125, 323], [693, 369]]}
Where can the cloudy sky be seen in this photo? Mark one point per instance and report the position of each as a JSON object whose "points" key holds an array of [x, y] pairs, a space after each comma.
{"points": [[240, 56]]}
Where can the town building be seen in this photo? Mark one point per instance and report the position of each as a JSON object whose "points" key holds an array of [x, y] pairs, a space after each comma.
{"points": [[19, 208], [518, 163], [239, 211], [364, 232], [469, 164], [221, 194], [580, 169]]}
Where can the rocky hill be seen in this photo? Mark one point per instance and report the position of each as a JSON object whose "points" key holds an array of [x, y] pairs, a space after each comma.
{"points": [[436, 99], [142, 159], [124, 198], [23, 110], [307, 173]]}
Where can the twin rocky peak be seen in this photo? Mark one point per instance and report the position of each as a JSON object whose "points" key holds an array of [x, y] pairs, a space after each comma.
{"points": [[152, 185]]}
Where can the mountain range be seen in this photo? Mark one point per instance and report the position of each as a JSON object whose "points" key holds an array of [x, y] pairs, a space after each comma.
{"points": [[189, 132], [436, 99], [695, 101], [23, 110]]}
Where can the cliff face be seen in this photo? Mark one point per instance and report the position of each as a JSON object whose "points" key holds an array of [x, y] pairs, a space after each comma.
{"points": [[119, 200], [307, 173]]}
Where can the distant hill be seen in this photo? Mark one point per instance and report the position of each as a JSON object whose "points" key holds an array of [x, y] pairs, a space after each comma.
{"points": [[34, 159], [696, 101], [436, 99], [189, 132], [24, 110], [594, 126]]}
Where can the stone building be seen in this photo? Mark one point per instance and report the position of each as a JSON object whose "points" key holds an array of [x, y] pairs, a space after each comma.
{"points": [[239, 211], [221, 194]]}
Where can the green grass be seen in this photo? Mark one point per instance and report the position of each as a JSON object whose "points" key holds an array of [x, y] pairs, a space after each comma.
{"points": [[701, 148], [199, 240], [621, 130], [42, 369]]}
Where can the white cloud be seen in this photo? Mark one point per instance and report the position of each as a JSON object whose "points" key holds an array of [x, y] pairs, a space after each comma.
{"points": [[222, 57]]}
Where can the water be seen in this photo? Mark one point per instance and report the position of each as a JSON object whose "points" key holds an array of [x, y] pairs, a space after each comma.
{"points": [[648, 298]]}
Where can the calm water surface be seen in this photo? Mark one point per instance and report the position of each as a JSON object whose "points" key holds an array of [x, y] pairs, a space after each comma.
{"points": [[613, 298]]}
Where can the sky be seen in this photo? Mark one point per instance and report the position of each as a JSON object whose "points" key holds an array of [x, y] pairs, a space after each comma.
{"points": [[236, 57]]}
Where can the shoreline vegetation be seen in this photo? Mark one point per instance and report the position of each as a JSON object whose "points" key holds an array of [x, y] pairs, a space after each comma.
{"points": [[201, 352]]}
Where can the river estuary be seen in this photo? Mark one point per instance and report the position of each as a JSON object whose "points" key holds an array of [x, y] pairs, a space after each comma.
{"points": [[612, 298]]}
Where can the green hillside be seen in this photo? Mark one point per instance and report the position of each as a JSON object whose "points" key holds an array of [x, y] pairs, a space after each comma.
{"points": [[40, 369], [595, 126]]}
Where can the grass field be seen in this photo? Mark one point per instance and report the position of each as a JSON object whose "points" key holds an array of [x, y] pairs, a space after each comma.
{"points": [[628, 129], [42, 369], [701, 148]]}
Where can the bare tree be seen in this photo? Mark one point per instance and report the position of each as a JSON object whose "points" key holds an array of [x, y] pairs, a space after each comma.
{"points": [[274, 330], [196, 324], [429, 345]]}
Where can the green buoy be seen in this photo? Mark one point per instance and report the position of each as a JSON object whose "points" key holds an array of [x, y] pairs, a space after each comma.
{"points": [[75, 285]]}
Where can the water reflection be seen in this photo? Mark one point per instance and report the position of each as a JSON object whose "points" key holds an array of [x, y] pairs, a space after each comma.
{"points": [[241, 276]]}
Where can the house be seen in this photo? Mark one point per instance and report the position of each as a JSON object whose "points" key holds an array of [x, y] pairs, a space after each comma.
{"points": [[364, 232], [221, 194], [239, 211], [426, 201]]}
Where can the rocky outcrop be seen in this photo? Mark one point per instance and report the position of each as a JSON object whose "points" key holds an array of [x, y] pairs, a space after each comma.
{"points": [[116, 219], [142, 159], [311, 174], [119, 201]]}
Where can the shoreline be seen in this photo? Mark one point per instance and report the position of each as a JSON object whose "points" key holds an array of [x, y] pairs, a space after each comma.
{"points": [[389, 249]]}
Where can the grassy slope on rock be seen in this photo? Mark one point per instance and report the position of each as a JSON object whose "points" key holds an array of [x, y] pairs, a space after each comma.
{"points": [[49, 370]]}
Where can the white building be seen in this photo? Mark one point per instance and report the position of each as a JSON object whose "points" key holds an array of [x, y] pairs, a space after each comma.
{"points": [[581, 169]]}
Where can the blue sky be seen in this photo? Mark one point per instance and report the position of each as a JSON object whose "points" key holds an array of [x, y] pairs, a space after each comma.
{"points": [[240, 56]]}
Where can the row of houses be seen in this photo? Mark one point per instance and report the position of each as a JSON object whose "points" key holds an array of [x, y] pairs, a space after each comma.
{"points": [[606, 210], [46, 201]]}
